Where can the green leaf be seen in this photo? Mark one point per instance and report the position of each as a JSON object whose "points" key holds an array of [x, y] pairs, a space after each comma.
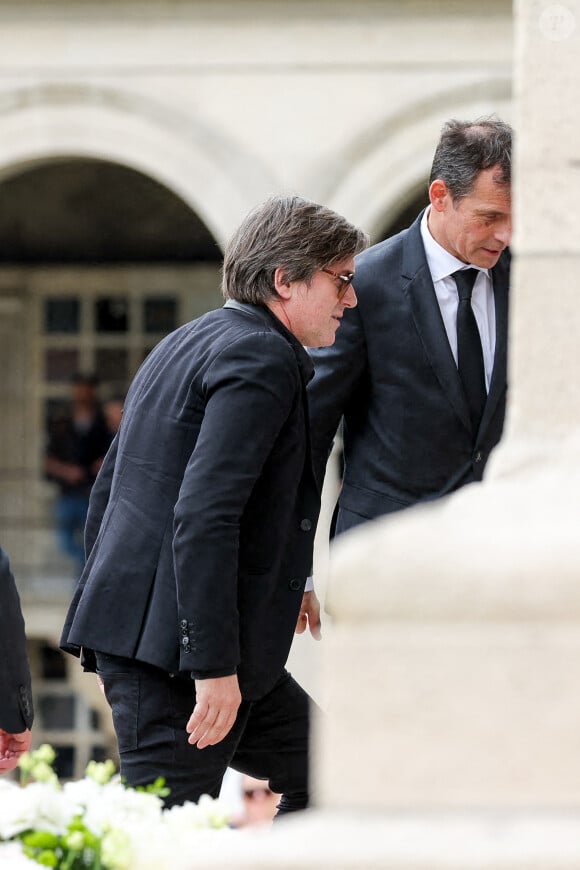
{"points": [[47, 859], [157, 788], [40, 840]]}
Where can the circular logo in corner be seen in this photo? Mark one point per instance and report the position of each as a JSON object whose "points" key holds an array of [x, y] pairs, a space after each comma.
{"points": [[557, 22]]}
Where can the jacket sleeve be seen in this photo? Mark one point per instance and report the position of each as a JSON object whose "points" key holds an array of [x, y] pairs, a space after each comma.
{"points": [[337, 376], [16, 711], [98, 502], [249, 391]]}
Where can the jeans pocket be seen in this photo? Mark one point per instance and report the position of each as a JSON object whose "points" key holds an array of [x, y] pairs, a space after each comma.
{"points": [[122, 691]]}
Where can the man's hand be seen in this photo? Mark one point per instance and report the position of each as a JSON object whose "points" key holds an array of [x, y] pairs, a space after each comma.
{"points": [[216, 708], [12, 746], [309, 615]]}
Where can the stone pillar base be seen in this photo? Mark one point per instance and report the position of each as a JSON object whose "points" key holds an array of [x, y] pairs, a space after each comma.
{"points": [[323, 840]]}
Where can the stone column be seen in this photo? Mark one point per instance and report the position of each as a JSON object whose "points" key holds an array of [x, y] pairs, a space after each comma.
{"points": [[453, 668], [456, 659], [13, 458], [544, 402]]}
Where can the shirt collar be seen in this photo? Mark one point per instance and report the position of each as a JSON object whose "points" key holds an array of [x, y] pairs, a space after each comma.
{"points": [[441, 263]]}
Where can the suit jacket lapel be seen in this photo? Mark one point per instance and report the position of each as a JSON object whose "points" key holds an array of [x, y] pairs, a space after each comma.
{"points": [[418, 287], [500, 277], [305, 365]]}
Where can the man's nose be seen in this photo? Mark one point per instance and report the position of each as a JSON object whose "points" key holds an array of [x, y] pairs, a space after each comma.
{"points": [[349, 299], [504, 233]]}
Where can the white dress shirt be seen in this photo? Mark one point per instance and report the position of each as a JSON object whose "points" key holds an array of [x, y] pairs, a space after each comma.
{"points": [[442, 264]]}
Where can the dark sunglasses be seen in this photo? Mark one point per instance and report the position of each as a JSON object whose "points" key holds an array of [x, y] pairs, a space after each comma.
{"points": [[344, 282]]}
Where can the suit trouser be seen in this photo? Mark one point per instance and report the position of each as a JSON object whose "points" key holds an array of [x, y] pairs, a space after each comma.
{"points": [[269, 739]]}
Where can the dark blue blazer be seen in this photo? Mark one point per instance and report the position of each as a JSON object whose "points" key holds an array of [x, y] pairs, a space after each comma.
{"points": [[16, 711], [201, 523], [391, 376]]}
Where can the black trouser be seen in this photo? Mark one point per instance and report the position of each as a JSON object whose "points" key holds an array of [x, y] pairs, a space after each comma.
{"points": [[269, 739]]}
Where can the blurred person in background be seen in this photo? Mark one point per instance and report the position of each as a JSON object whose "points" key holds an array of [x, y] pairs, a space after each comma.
{"points": [[77, 442], [113, 411], [259, 802]]}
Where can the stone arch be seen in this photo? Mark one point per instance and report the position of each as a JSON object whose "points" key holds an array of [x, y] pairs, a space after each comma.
{"points": [[81, 210], [214, 176], [381, 171]]}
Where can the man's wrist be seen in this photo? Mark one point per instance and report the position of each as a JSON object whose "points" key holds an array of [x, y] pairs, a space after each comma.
{"points": [[212, 675]]}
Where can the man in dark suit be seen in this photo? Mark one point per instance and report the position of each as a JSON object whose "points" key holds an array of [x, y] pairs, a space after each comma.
{"points": [[201, 523], [421, 411], [16, 712]]}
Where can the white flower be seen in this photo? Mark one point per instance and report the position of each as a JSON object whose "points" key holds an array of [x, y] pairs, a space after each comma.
{"points": [[207, 813], [81, 795], [117, 850], [11, 856], [120, 807], [38, 806], [100, 771], [136, 833], [83, 791]]}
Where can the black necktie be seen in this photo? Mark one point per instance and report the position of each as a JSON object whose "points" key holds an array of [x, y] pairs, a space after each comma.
{"points": [[469, 352]]}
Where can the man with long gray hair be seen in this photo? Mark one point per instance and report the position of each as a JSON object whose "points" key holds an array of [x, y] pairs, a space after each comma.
{"points": [[418, 371], [201, 522]]}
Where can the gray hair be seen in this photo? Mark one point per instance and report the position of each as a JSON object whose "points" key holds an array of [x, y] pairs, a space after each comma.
{"points": [[290, 232], [466, 148]]}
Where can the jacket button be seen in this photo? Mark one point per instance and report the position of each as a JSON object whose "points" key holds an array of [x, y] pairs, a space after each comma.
{"points": [[305, 525], [478, 457], [185, 641], [184, 623], [295, 584]]}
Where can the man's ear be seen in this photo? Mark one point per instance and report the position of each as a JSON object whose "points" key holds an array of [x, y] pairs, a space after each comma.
{"points": [[281, 283], [439, 195]]}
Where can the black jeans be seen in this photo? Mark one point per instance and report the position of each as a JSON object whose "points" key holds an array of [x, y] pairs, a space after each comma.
{"points": [[269, 739]]}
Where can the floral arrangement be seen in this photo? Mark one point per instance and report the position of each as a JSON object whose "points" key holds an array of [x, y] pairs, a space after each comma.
{"points": [[98, 823]]}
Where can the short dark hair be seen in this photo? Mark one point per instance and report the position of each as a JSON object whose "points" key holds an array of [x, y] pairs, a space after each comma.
{"points": [[85, 378], [466, 148], [290, 232]]}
